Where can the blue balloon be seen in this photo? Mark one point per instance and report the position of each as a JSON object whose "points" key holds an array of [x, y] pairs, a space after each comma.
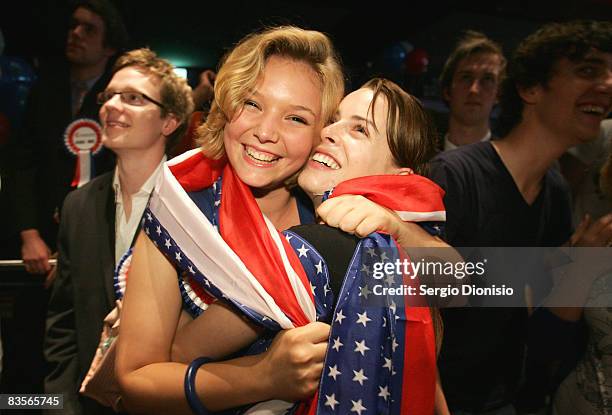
{"points": [[394, 57], [16, 78], [14, 69]]}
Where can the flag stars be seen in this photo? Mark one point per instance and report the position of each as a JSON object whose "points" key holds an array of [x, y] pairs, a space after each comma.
{"points": [[365, 292], [168, 244], [383, 257], [357, 407], [361, 347], [363, 319], [326, 289], [288, 237], [177, 255], [388, 364], [340, 317], [359, 376], [365, 269], [303, 251], [191, 270], [158, 230], [319, 267], [337, 344], [149, 217], [330, 400], [334, 372], [390, 280], [384, 392], [372, 252], [394, 345]]}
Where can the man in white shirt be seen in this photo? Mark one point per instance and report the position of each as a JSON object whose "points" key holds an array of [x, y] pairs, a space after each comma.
{"points": [[469, 82], [144, 109]]}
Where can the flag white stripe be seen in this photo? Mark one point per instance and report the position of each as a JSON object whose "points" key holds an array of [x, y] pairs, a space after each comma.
{"points": [[407, 216], [301, 293], [184, 156], [207, 250], [275, 407]]}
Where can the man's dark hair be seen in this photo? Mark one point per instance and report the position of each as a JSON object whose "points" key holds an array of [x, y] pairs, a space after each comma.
{"points": [[536, 57], [115, 32], [470, 44]]}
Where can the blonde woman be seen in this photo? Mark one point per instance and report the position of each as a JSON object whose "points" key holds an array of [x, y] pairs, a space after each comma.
{"points": [[274, 92]]}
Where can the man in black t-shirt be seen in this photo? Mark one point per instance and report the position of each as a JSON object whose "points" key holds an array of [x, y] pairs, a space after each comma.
{"points": [[503, 193]]}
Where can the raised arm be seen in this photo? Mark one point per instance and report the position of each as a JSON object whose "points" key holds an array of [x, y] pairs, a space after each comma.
{"points": [[360, 216], [151, 309]]}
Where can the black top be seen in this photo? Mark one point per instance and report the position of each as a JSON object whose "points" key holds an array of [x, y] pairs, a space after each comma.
{"points": [[335, 246], [482, 353], [484, 206], [42, 168]]}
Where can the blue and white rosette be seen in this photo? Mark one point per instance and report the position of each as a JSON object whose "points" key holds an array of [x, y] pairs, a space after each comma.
{"points": [[120, 277]]}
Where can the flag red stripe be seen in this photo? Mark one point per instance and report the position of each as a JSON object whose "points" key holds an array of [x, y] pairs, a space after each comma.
{"points": [[402, 193], [243, 228], [419, 374]]}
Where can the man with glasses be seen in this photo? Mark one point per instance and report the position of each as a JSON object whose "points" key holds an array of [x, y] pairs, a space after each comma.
{"points": [[469, 82], [143, 112]]}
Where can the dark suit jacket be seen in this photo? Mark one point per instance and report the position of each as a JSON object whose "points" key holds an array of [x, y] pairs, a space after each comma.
{"points": [[82, 293], [42, 168]]}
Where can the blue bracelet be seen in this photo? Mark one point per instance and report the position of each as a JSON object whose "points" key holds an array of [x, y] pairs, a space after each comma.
{"points": [[190, 389]]}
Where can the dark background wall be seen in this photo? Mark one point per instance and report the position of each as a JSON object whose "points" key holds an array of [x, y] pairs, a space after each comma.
{"points": [[196, 33]]}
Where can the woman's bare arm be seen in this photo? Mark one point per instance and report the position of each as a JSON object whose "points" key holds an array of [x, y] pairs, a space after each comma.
{"points": [[216, 333], [151, 310], [150, 383]]}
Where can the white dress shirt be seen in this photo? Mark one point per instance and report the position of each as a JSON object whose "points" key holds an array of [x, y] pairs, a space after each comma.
{"points": [[448, 145], [125, 227]]}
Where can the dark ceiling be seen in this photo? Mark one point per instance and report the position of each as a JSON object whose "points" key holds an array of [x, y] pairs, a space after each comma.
{"points": [[196, 34]]}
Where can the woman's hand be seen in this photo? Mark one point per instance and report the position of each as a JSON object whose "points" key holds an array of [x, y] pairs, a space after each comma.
{"points": [[359, 216], [597, 234], [294, 362]]}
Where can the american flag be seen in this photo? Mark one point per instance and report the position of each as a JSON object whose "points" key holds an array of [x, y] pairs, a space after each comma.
{"points": [[380, 360]]}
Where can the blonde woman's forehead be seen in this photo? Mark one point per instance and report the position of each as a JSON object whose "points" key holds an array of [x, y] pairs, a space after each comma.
{"points": [[291, 81]]}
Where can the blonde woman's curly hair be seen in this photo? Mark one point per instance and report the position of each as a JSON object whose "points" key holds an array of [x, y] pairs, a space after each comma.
{"points": [[243, 66]]}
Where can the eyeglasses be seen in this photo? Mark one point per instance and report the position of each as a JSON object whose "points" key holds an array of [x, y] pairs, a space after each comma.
{"points": [[136, 99]]}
